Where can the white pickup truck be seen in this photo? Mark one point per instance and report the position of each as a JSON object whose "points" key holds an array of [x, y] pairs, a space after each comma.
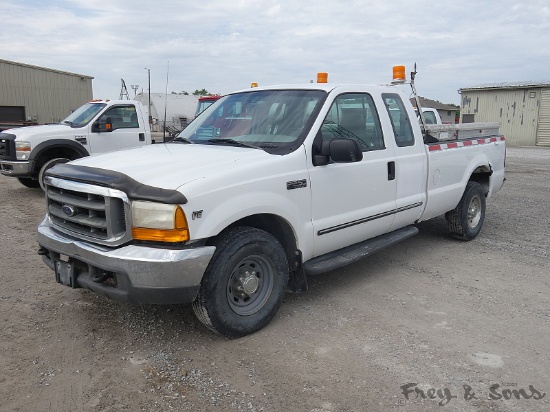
{"points": [[98, 126], [266, 186], [431, 116]]}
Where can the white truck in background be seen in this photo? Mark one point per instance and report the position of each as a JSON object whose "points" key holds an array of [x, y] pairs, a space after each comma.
{"points": [[431, 115], [98, 126], [265, 187]]}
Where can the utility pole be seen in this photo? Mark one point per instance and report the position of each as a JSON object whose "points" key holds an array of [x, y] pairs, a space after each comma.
{"points": [[149, 80]]}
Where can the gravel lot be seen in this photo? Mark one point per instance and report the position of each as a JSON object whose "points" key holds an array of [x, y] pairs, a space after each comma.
{"points": [[470, 320]]}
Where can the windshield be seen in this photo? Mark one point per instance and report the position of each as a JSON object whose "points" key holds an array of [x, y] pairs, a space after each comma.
{"points": [[82, 116], [273, 120]]}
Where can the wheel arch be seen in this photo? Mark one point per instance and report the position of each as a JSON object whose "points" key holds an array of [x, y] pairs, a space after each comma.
{"points": [[282, 230], [57, 148], [482, 175]]}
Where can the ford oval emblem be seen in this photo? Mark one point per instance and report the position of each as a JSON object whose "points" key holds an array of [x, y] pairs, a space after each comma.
{"points": [[69, 210]]}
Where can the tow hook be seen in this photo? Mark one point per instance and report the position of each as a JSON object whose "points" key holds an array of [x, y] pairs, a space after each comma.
{"points": [[43, 251]]}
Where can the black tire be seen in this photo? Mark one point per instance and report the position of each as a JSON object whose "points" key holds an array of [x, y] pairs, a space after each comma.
{"points": [[46, 166], [29, 182], [465, 221], [244, 283]]}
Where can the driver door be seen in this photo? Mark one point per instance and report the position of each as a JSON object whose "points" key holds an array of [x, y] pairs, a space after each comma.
{"points": [[125, 131], [353, 201]]}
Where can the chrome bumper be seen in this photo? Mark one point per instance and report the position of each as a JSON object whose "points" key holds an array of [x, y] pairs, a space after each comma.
{"points": [[16, 168], [141, 274]]}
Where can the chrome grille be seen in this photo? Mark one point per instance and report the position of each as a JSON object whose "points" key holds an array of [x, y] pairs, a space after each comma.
{"points": [[94, 213]]}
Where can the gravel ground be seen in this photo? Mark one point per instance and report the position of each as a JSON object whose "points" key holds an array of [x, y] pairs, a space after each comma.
{"points": [[430, 324]]}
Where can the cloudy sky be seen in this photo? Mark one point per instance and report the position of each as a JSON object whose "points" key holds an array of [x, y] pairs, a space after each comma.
{"points": [[223, 45]]}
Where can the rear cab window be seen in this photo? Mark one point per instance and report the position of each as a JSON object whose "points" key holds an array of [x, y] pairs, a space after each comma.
{"points": [[400, 121]]}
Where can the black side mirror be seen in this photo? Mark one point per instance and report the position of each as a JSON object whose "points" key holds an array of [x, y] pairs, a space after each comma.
{"points": [[339, 151], [103, 125]]}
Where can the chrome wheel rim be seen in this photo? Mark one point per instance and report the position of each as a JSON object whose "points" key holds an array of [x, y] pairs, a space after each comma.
{"points": [[474, 212]]}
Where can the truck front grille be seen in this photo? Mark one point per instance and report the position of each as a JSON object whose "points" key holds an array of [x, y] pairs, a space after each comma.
{"points": [[95, 213], [7, 146]]}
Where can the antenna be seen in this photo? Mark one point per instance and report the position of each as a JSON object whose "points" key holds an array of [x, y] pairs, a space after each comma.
{"points": [[418, 105], [123, 91], [135, 88], [165, 102]]}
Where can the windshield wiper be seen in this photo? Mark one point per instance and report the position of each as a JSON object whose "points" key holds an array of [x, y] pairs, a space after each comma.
{"points": [[67, 122], [233, 142], [182, 140]]}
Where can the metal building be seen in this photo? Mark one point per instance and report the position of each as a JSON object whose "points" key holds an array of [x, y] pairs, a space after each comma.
{"points": [[177, 109], [522, 109], [32, 94]]}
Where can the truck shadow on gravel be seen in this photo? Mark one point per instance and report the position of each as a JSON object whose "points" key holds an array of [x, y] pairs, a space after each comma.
{"points": [[175, 324]]}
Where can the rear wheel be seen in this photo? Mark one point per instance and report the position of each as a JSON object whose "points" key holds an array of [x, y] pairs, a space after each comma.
{"points": [[244, 284], [29, 182], [465, 221]]}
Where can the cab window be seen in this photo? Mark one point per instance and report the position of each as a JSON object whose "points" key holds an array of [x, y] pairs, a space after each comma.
{"points": [[400, 121], [430, 117], [354, 116], [122, 117]]}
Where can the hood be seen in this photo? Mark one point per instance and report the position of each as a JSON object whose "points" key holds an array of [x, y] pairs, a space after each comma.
{"points": [[45, 131], [172, 165]]}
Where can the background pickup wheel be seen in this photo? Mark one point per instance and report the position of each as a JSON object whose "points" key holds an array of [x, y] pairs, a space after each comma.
{"points": [[29, 182], [465, 221], [244, 284]]}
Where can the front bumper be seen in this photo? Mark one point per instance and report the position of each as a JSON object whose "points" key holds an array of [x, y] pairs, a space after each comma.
{"points": [[136, 274], [16, 168]]}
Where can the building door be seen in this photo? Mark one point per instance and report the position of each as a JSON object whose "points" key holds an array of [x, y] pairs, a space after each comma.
{"points": [[468, 118], [543, 130], [12, 114]]}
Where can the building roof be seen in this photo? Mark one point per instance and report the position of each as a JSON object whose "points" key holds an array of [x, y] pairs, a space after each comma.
{"points": [[434, 104], [30, 66], [510, 85]]}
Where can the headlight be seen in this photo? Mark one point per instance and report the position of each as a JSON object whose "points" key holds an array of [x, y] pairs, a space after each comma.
{"points": [[22, 150], [159, 222]]}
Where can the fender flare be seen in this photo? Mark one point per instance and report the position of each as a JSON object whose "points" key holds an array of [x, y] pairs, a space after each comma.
{"points": [[58, 143]]}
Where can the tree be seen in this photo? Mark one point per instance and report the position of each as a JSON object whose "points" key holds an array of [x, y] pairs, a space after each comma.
{"points": [[202, 92]]}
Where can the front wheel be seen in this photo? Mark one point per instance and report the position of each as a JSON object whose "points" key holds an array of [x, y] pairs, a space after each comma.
{"points": [[244, 284], [465, 220], [29, 182]]}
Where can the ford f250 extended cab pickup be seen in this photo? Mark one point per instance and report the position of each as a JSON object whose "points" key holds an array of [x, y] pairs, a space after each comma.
{"points": [[98, 126], [268, 185]]}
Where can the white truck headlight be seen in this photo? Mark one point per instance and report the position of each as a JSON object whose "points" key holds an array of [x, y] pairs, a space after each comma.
{"points": [[159, 222], [22, 150]]}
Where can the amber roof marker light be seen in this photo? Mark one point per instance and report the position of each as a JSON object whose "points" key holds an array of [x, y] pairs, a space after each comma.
{"points": [[322, 77], [399, 75]]}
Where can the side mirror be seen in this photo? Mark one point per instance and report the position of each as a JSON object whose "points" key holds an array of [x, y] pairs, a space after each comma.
{"points": [[103, 125], [339, 151]]}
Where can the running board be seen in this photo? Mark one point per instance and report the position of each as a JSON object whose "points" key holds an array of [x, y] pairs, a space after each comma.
{"points": [[353, 253]]}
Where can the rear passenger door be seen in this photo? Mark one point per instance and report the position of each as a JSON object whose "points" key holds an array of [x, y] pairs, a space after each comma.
{"points": [[410, 162], [352, 201], [126, 130]]}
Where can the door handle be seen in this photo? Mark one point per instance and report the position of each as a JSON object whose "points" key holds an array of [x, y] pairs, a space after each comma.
{"points": [[391, 170], [142, 137]]}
